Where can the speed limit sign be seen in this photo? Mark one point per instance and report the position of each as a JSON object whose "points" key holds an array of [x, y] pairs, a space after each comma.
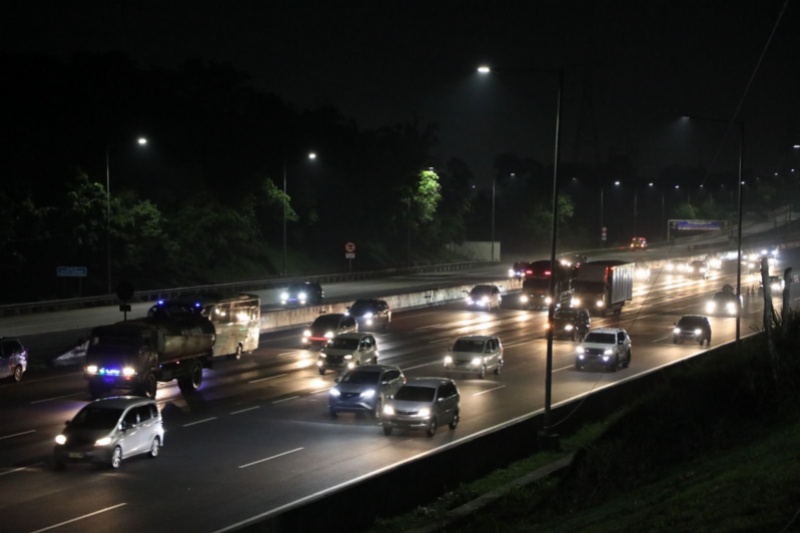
{"points": [[350, 247]]}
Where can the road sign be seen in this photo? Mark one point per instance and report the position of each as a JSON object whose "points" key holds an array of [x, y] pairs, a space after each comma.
{"points": [[350, 247], [350, 256], [603, 233], [71, 272]]}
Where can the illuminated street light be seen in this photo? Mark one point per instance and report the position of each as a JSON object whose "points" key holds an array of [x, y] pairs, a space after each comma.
{"points": [[312, 156], [551, 308], [141, 141]]}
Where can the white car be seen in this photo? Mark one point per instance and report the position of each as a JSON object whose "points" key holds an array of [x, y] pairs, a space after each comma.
{"points": [[348, 351], [609, 348], [475, 355], [484, 297]]}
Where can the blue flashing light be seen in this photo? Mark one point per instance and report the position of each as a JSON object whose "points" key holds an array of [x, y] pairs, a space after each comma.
{"points": [[109, 372], [160, 302]]}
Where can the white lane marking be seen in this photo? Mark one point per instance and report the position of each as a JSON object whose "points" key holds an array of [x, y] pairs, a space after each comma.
{"points": [[200, 421], [319, 390], [286, 399], [18, 434], [439, 341], [80, 518], [19, 469], [266, 378], [57, 398], [430, 326], [568, 367], [245, 410], [422, 365], [490, 390], [520, 343], [286, 354], [271, 458]]}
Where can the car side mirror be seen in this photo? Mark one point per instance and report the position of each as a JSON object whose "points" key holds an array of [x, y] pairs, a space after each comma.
{"points": [[123, 425]]}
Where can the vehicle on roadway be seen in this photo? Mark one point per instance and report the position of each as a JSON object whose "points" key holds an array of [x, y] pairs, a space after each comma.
{"points": [[609, 348], [327, 326], [724, 303], [371, 313], [776, 285], [304, 293], [571, 323], [697, 270], [364, 389], [423, 403], [475, 354], [517, 270], [484, 297], [694, 328], [638, 243], [603, 286], [109, 430], [347, 351], [13, 359]]}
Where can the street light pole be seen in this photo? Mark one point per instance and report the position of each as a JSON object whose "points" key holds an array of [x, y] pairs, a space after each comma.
{"points": [[494, 185], [285, 200]]}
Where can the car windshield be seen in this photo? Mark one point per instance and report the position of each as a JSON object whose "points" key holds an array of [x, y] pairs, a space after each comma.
{"points": [[327, 322], [367, 377], [565, 313], [690, 322], [300, 287], [724, 296], [93, 417], [415, 394], [600, 338], [343, 344], [362, 307], [468, 345], [482, 290]]}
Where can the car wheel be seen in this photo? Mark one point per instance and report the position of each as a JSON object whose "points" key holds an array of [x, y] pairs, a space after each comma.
{"points": [[701, 341], [154, 448], [387, 430], [708, 341], [192, 380], [483, 372], [628, 360], [116, 458], [16, 376], [456, 418], [498, 368], [378, 408], [431, 431]]}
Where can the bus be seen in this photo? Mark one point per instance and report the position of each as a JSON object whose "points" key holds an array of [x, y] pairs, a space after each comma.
{"points": [[236, 319]]}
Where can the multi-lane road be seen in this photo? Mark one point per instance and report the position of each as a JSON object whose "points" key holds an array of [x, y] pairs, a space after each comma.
{"points": [[257, 437]]}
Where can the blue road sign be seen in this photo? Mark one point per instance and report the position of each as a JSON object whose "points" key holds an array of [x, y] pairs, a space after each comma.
{"points": [[71, 272]]}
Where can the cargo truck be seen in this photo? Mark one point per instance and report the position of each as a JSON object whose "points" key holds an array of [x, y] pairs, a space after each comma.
{"points": [[137, 354], [603, 286], [535, 293]]}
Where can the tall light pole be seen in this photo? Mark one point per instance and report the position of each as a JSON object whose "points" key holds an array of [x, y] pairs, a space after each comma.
{"points": [[548, 389], [311, 156], [141, 141], [494, 187]]}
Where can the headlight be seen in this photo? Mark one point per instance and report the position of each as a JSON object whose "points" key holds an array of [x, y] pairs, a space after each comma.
{"points": [[307, 333], [579, 350], [711, 307], [284, 296], [367, 394], [523, 299], [328, 334], [448, 359], [485, 300], [468, 300], [105, 441], [698, 331], [608, 351], [676, 331], [548, 300], [511, 273], [61, 439], [730, 307], [348, 356], [424, 412], [575, 302], [302, 296], [476, 361], [776, 287], [322, 355], [351, 365], [320, 362], [335, 392], [91, 369], [388, 409], [569, 327], [600, 303], [367, 315], [128, 371]]}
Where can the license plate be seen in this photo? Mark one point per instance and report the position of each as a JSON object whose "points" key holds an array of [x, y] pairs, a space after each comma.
{"points": [[75, 455]]}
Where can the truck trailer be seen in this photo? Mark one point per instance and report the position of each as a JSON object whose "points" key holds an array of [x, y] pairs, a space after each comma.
{"points": [[136, 354], [603, 286]]}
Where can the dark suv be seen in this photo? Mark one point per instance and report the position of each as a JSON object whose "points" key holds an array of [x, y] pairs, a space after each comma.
{"points": [[306, 293], [571, 323], [694, 328], [371, 314], [13, 359], [327, 326]]}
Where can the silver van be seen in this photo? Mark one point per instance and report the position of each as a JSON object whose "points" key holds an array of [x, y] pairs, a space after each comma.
{"points": [[423, 403], [109, 430]]}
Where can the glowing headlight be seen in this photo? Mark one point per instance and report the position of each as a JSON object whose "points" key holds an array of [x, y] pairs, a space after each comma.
{"points": [[711, 307], [128, 371], [322, 355], [523, 299], [91, 369], [348, 356], [105, 441], [284, 296], [368, 393], [468, 300], [676, 331], [730, 308], [600, 303], [575, 302], [548, 300], [580, 350], [368, 315], [448, 360], [476, 361], [485, 300], [351, 365], [511, 273], [569, 327], [698, 331], [335, 392], [424, 412], [302, 296], [776, 287], [608, 351], [320, 362], [328, 334], [388, 410], [307, 333], [61, 439]]}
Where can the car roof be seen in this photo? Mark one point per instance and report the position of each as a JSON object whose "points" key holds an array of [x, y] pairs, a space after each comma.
{"points": [[476, 337], [373, 368], [694, 317], [121, 402], [430, 382], [607, 330], [356, 336]]}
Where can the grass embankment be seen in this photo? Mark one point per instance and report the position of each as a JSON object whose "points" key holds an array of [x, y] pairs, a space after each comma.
{"points": [[717, 449]]}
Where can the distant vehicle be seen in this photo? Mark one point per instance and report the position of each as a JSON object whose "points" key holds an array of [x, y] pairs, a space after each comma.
{"points": [[236, 319], [109, 430], [475, 354], [535, 293], [305, 293], [725, 303], [692, 327], [609, 348], [371, 314], [423, 403], [517, 270], [571, 323], [13, 359], [484, 297], [327, 326], [697, 270], [347, 351], [676, 267], [638, 243], [364, 389], [573, 260], [603, 286]]}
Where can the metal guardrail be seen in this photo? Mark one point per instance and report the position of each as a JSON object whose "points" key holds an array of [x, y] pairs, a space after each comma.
{"points": [[251, 285]]}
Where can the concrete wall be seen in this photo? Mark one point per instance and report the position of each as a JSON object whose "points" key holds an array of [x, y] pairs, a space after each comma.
{"points": [[477, 250]]}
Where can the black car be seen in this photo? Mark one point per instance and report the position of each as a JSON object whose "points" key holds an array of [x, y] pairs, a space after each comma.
{"points": [[693, 328], [371, 314], [725, 303], [305, 293], [571, 323]]}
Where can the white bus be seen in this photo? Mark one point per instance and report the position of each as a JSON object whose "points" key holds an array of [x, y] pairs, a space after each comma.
{"points": [[236, 319]]}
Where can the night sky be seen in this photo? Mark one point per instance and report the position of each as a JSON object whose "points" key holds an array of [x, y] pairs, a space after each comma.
{"points": [[632, 68]]}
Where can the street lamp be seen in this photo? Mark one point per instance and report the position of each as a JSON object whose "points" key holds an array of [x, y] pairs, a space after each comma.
{"points": [[141, 141], [602, 200], [311, 156], [551, 308]]}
